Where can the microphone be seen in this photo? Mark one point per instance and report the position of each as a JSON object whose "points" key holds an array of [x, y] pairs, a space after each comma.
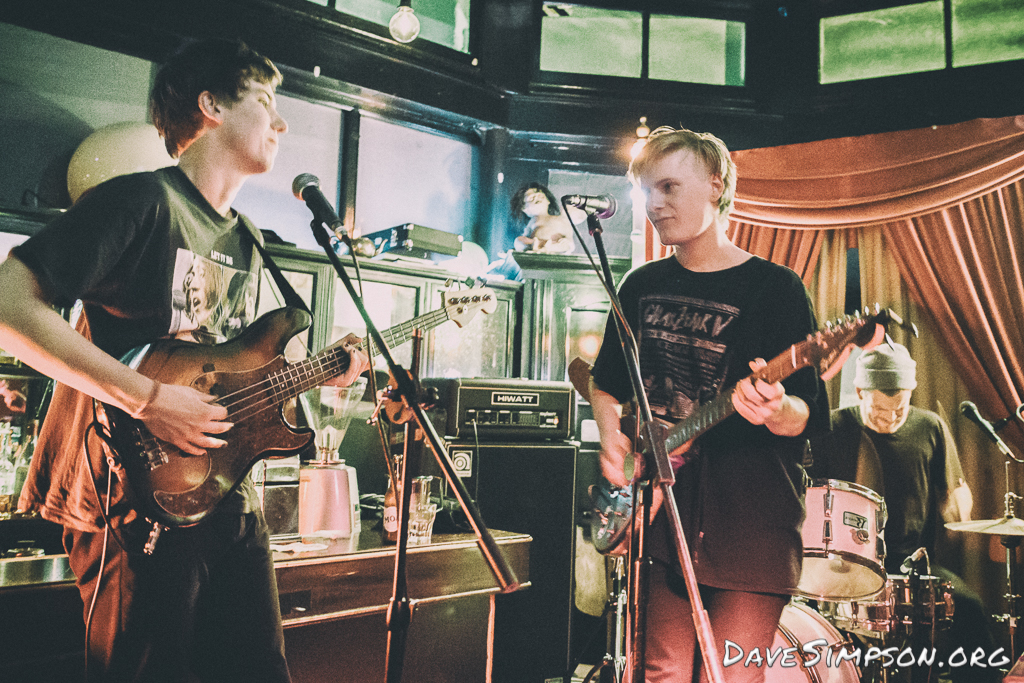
{"points": [[908, 564], [970, 411], [602, 205], [306, 187]]}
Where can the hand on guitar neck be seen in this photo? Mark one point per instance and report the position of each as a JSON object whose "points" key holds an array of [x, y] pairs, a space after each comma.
{"points": [[755, 400]]}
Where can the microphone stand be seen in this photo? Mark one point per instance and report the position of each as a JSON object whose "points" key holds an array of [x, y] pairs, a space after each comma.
{"points": [[656, 462], [400, 608], [408, 389]]}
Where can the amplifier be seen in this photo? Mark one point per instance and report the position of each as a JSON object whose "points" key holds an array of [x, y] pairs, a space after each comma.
{"points": [[504, 409], [416, 241]]}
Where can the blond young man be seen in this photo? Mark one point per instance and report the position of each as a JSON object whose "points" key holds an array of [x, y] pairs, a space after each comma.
{"points": [[704, 317]]}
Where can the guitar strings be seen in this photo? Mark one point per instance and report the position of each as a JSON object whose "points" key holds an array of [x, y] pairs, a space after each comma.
{"points": [[242, 408], [268, 392]]}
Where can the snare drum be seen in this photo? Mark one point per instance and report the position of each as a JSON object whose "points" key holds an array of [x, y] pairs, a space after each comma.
{"points": [[895, 610], [799, 626], [872, 617], [844, 547], [931, 604]]}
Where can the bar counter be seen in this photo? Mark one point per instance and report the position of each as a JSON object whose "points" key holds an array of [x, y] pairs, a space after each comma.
{"points": [[334, 604]]}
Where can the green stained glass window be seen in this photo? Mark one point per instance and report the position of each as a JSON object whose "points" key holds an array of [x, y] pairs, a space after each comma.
{"points": [[586, 40], [986, 31], [696, 50], [886, 42]]}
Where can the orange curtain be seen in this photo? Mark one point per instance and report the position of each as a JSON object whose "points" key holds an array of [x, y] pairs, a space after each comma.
{"points": [[796, 249], [949, 201], [873, 179]]}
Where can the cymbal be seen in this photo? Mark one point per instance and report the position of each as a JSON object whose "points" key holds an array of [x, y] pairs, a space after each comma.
{"points": [[1005, 526]]}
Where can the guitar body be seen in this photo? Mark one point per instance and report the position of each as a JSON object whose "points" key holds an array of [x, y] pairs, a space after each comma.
{"points": [[178, 489], [252, 379]]}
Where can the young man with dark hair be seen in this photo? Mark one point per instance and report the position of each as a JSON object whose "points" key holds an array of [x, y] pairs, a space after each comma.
{"points": [[703, 319], [152, 256]]}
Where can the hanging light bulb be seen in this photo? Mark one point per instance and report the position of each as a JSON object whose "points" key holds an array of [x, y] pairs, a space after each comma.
{"points": [[404, 26], [642, 131]]}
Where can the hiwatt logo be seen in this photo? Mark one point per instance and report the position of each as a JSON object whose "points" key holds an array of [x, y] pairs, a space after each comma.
{"points": [[514, 398]]}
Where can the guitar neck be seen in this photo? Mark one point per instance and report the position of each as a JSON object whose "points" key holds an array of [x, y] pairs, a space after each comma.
{"points": [[713, 412], [307, 374], [401, 333]]}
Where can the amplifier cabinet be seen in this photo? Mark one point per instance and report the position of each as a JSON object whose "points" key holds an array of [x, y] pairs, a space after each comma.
{"points": [[530, 488], [505, 409]]}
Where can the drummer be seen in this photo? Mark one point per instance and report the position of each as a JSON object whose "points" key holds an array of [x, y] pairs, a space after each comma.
{"points": [[907, 455]]}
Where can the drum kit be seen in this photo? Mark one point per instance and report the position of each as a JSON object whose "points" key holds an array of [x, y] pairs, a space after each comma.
{"points": [[847, 606], [848, 601]]}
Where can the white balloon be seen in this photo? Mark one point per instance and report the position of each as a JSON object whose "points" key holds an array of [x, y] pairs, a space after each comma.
{"points": [[471, 261], [114, 150]]}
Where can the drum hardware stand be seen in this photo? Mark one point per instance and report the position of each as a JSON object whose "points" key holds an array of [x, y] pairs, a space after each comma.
{"points": [[1010, 528], [657, 462], [1010, 542], [611, 668], [919, 674]]}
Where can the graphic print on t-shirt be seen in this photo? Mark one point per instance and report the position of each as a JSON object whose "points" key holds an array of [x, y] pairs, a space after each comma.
{"points": [[211, 301], [685, 356]]}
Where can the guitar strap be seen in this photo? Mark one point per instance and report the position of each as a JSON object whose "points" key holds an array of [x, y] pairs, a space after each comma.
{"points": [[287, 291]]}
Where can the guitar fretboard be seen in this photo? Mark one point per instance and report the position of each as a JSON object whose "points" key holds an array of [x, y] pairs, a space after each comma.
{"points": [[307, 374], [820, 349]]}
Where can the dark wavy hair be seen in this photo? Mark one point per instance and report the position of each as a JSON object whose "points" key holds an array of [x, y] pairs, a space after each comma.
{"points": [[518, 200], [222, 67]]}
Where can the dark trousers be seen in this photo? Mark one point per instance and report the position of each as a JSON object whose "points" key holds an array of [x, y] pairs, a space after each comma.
{"points": [[203, 607]]}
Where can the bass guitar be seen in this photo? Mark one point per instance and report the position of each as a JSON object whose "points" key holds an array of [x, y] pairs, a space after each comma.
{"points": [[825, 350], [252, 379]]}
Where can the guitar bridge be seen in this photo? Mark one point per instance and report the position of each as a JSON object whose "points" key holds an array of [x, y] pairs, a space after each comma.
{"points": [[151, 450]]}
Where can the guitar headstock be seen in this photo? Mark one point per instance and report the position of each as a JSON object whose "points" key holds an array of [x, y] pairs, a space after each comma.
{"points": [[829, 348], [463, 305]]}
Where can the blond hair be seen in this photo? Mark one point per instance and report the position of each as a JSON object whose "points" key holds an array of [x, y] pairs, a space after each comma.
{"points": [[710, 150]]}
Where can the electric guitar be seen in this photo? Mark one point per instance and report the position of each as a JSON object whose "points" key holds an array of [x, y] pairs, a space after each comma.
{"points": [[253, 380], [825, 350]]}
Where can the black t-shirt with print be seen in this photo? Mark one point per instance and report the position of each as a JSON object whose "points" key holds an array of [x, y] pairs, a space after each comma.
{"points": [[149, 258], [741, 498]]}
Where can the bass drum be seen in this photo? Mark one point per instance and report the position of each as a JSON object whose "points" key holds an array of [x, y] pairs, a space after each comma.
{"points": [[819, 663]]}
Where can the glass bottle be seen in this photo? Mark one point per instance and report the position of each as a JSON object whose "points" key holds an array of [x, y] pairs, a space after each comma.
{"points": [[6, 471], [390, 534], [23, 460]]}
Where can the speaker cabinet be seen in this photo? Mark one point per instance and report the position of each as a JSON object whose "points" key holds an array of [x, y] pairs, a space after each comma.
{"points": [[529, 488]]}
